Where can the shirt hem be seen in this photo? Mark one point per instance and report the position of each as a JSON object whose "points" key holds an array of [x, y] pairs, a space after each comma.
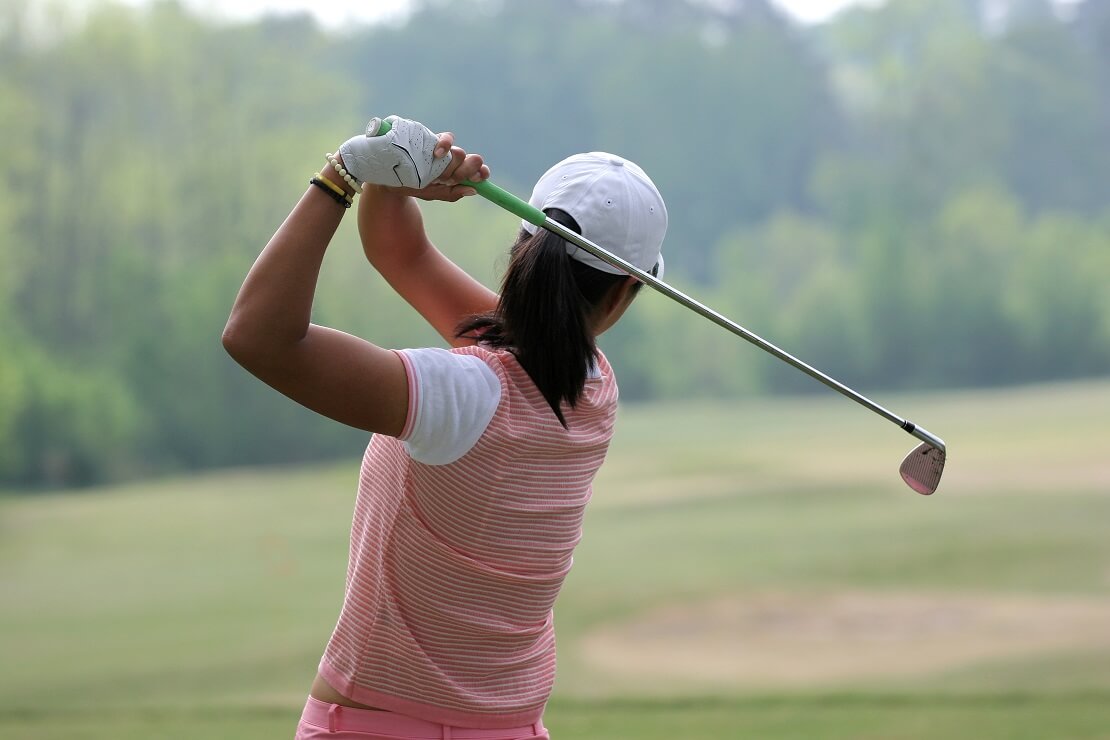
{"points": [[427, 712]]}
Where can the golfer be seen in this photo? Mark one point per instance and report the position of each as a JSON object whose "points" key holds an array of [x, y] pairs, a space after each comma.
{"points": [[473, 486]]}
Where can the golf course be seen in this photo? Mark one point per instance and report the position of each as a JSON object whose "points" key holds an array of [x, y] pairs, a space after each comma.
{"points": [[750, 569], [204, 256]]}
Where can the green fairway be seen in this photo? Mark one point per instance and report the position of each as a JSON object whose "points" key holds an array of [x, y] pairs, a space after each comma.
{"points": [[749, 569]]}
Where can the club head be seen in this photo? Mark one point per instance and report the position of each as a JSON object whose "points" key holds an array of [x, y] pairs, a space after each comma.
{"points": [[923, 467]]}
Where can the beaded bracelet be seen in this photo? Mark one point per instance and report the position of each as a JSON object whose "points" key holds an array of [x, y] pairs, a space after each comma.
{"points": [[329, 188], [347, 176]]}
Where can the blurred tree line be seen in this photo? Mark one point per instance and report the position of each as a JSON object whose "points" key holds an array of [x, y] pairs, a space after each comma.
{"points": [[909, 196]]}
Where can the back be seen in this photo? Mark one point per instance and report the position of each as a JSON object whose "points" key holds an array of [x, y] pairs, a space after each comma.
{"points": [[455, 566]]}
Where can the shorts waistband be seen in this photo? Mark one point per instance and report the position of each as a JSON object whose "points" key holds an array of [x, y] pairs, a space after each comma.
{"points": [[337, 718]]}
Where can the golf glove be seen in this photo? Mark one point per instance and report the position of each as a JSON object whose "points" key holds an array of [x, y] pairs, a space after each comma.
{"points": [[400, 157]]}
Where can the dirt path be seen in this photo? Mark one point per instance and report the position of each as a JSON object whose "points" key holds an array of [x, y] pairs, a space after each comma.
{"points": [[798, 640]]}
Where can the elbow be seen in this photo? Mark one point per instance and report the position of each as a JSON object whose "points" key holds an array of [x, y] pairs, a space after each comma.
{"points": [[230, 339], [237, 342], [257, 350]]}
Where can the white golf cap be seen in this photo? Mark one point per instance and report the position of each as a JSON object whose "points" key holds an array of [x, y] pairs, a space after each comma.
{"points": [[614, 202]]}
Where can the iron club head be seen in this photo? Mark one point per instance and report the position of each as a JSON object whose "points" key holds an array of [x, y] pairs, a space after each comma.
{"points": [[923, 467]]}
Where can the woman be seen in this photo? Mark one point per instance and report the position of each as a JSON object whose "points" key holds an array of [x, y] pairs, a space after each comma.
{"points": [[473, 486]]}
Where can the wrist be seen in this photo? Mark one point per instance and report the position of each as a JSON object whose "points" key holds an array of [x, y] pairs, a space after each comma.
{"points": [[371, 191], [332, 190], [333, 175]]}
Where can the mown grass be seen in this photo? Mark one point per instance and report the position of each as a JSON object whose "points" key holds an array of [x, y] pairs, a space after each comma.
{"points": [[198, 607], [834, 717]]}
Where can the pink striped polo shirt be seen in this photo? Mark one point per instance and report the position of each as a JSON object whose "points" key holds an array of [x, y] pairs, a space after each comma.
{"points": [[456, 560]]}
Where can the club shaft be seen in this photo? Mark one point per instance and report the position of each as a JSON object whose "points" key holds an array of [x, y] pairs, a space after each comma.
{"points": [[726, 323], [526, 211]]}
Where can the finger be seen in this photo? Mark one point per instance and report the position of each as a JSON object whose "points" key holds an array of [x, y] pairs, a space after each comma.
{"points": [[444, 142], [457, 193], [438, 191], [471, 169], [449, 176]]}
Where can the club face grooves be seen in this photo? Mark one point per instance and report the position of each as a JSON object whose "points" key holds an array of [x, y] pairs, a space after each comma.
{"points": [[922, 468]]}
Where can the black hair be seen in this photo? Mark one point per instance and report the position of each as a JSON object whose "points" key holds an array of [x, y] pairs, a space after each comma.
{"points": [[543, 313]]}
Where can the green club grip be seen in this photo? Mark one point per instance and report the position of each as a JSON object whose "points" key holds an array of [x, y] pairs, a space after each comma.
{"points": [[508, 201], [486, 189]]}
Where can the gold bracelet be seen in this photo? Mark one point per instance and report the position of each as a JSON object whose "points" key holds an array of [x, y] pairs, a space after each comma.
{"points": [[335, 188]]}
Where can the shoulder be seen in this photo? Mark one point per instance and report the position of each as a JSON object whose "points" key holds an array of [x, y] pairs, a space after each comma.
{"points": [[453, 395], [465, 365]]}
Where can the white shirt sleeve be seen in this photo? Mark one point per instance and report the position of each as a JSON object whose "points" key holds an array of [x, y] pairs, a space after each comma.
{"points": [[452, 399]]}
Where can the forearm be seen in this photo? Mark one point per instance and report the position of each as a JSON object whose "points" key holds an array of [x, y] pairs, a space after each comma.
{"points": [[391, 228], [274, 306], [393, 238]]}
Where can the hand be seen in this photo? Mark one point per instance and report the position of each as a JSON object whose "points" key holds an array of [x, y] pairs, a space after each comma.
{"points": [[405, 156], [451, 185], [402, 156]]}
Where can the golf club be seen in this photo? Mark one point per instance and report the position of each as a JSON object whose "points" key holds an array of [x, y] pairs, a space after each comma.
{"points": [[922, 467]]}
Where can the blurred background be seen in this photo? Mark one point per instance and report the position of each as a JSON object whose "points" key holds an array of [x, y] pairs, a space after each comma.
{"points": [[912, 195], [908, 196]]}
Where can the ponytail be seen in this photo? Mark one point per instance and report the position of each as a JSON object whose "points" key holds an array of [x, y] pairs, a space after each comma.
{"points": [[543, 314]]}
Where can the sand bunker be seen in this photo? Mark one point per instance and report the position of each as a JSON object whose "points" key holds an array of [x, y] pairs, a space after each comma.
{"points": [[785, 640]]}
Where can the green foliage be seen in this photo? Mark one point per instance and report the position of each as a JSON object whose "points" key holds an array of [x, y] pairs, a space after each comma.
{"points": [[62, 425], [912, 195]]}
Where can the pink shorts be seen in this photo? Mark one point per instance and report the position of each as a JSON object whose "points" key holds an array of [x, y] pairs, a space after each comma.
{"points": [[323, 721]]}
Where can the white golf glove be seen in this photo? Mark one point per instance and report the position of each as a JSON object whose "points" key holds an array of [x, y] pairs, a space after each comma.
{"points": [[401, 157]]}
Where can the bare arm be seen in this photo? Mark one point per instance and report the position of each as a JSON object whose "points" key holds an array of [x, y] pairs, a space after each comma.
{"points": [[270, 333], [393, 239]]}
